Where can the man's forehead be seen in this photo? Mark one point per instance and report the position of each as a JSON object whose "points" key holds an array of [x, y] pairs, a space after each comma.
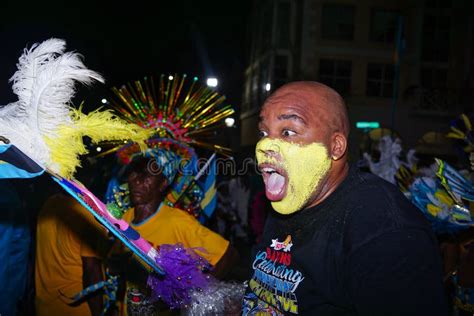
{"points": [[290, 105]]}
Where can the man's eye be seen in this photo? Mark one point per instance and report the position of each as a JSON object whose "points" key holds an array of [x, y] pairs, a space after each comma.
{"points": [[262, 134], [288, 132]]}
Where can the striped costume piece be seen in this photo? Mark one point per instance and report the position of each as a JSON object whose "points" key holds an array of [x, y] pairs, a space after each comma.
{"points": [[110, 287]]}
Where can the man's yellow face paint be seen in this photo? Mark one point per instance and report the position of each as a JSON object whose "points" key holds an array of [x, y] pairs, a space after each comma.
{"points": [[291, 172]]}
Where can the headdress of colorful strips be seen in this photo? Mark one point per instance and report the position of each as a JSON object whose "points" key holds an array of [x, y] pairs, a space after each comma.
{"points": [[183, 114], [176, 107]]}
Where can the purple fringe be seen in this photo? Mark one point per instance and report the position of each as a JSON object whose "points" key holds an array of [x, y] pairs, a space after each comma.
{"points": [[184, 273]]}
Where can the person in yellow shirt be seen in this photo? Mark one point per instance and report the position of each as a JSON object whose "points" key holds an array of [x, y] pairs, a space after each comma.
{"points": [[67, 258], [161, 224]]}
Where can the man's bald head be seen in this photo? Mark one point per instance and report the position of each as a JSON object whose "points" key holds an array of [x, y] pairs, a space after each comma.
{"points": [[304, 125], [321, 98]]}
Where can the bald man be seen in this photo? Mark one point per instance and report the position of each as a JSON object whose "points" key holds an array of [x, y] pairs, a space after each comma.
{"points": [[340, 242]]}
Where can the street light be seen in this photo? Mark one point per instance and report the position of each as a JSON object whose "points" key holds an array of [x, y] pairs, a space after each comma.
{"points": [[268, 86], [229, 122], [104, 101], [212, 82]]}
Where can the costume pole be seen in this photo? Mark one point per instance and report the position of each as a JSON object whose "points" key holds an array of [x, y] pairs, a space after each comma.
{"points": [[196, 178]]}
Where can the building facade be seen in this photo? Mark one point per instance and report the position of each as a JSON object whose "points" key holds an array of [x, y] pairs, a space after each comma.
{"points": [[405, 64]]}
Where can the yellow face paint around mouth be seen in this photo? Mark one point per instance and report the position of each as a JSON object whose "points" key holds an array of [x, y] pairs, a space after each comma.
{"points": [[305, 165]]}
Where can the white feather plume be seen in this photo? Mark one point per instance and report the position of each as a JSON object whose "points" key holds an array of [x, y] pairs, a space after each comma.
{"points": [[44, 84], [390, 158]]}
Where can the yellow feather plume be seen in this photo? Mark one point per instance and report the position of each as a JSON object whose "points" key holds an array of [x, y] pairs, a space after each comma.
{"points": [[467, 122], [67, 144], [456, 133]]}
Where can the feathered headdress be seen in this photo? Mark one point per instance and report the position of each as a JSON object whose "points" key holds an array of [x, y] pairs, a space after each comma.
{"points": [[42, 132], [390, 159], [42, 124], [443, 198], [173, 108], [181, 114]]}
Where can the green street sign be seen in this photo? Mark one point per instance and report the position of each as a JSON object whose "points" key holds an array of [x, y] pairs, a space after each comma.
{"points": [[367, 124]]}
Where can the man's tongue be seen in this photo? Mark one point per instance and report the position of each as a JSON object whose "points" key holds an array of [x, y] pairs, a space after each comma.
{"points": [[275, 187]]}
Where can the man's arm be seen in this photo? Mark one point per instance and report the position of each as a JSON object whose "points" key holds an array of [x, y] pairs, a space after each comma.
{"points": [[397, 273], [225, 264], [92, 274]]}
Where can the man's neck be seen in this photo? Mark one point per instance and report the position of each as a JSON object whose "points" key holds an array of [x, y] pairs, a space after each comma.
{"points": [[145, 211]]}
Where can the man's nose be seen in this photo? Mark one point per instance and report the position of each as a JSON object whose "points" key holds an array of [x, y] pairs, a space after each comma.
{"points": [[271, 150]]}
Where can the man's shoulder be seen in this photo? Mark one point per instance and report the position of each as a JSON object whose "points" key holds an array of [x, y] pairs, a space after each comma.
{"points": [[366, 182], [375, 206], [368, 190]]}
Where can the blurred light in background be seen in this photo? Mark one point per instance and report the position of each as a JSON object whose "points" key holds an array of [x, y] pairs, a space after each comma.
{"points": [[230, 121], [212, 82]]}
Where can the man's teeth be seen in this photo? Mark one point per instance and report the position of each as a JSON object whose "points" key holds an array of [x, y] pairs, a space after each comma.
{"points": [[269, 170]]}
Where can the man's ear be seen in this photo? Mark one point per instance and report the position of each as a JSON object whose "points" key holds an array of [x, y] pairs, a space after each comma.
{"points": [[338, 146]]}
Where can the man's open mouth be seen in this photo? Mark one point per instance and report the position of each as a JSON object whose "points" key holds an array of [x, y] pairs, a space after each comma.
{"points": [[276, 181]]}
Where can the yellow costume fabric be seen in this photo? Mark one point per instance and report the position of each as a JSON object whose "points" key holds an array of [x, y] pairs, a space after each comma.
{"points": [[66, 231], [171, 225]]}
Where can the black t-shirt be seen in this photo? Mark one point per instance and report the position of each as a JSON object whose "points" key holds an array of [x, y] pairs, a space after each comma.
{"points": [[365, 250]]}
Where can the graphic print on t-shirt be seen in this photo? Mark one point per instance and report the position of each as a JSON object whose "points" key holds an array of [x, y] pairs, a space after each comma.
{"points": [[274, 282]]}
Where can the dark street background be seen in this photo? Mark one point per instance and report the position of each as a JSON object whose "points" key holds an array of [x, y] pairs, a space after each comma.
{"points": [[127, 41]]}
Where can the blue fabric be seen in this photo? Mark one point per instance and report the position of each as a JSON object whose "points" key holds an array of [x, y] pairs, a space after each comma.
{"points": [[209, 187], [167, 162], [14, 249], [15, 164]]}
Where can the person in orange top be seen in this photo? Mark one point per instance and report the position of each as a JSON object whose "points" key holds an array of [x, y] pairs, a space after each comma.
{"points": [[161, 224], [68, 257]]}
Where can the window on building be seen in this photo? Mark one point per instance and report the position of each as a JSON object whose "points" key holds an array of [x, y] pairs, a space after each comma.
{"points": [[434, 78], [337, 22], [336, 74], [283, 24], [383, 25], [435, 94], [436, 39], [380, 80]]}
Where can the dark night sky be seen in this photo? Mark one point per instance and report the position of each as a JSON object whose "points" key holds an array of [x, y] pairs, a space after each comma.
{"points": [[126, 42]]}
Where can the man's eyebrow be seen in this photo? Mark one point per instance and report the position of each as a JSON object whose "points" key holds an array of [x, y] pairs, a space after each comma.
{"points": [[291, 117]]}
